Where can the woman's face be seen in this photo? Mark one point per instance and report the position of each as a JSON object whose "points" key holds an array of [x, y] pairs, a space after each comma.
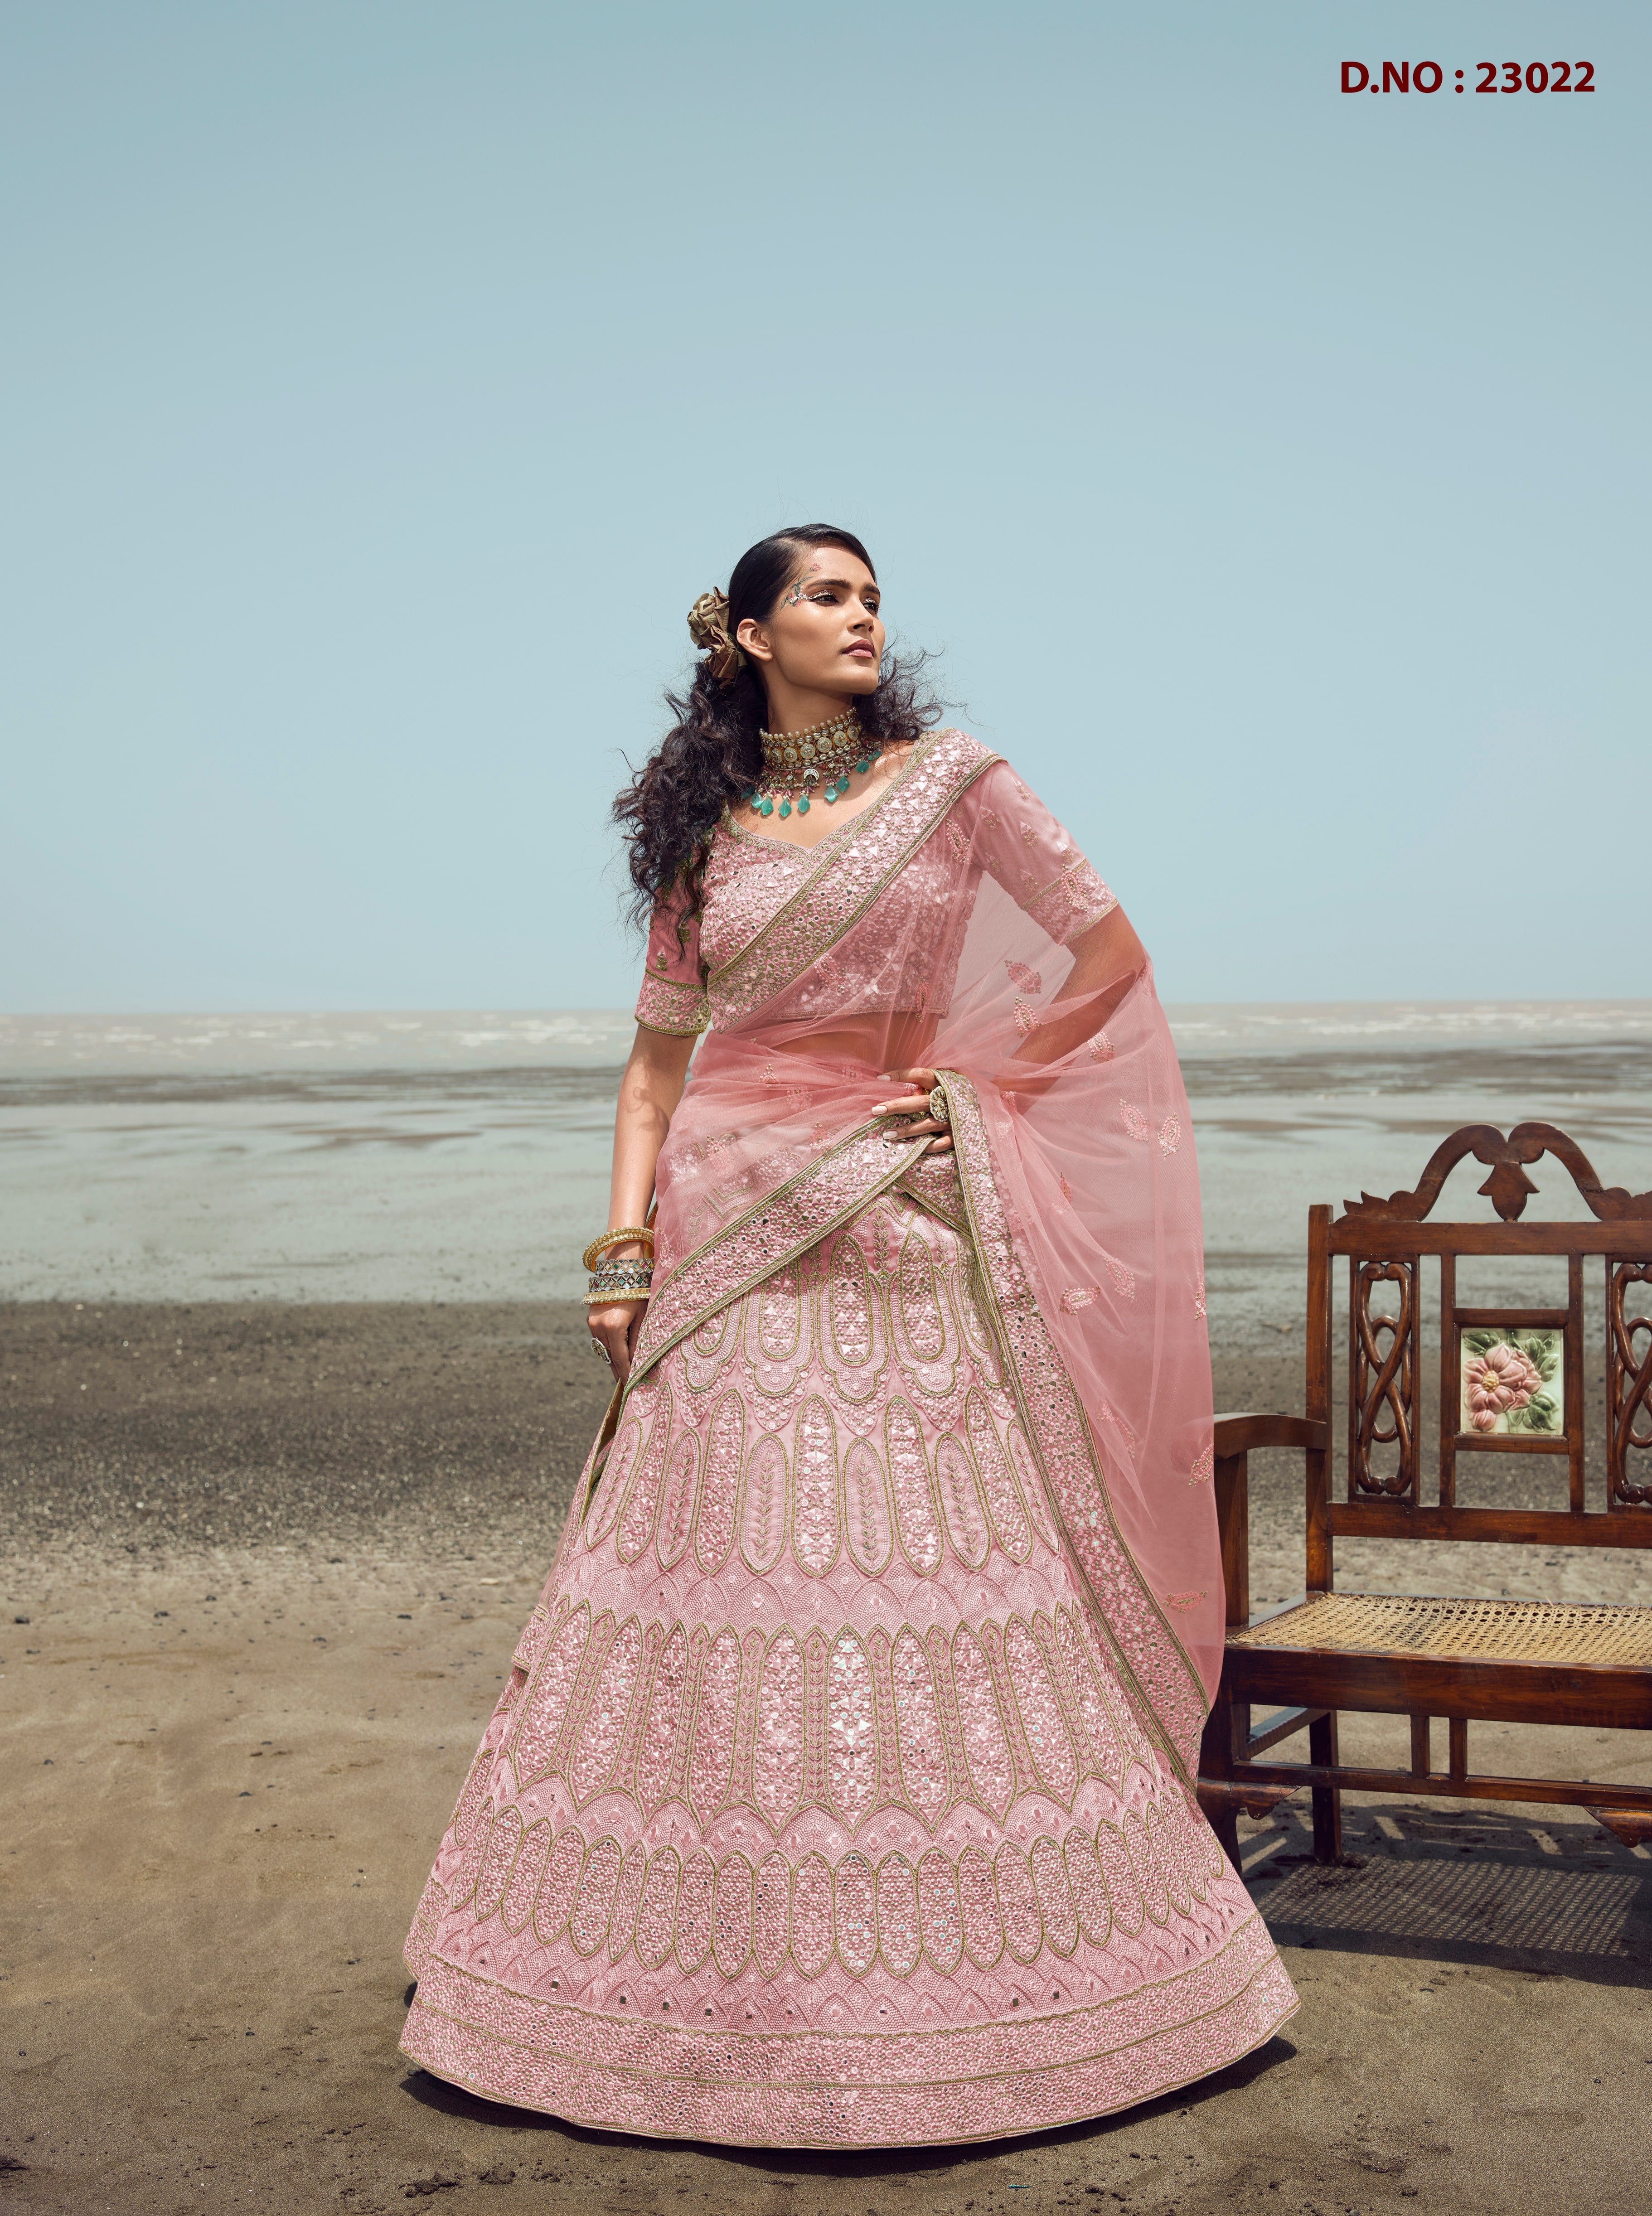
{"points": [[824, 633]]}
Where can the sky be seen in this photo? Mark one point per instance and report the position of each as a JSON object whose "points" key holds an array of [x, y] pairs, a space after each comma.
{"points": [[382, 380]]}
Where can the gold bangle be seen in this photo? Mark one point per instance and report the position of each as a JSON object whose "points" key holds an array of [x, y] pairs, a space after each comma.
{"points": [[628, 1234], [614, 1300]]}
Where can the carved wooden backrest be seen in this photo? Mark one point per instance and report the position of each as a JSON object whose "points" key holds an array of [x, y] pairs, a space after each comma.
{"points": [[1511, 1379]]}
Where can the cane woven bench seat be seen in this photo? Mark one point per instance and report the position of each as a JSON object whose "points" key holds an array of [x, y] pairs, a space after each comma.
{"points": [[1388, 1459], [1579, 1634]]}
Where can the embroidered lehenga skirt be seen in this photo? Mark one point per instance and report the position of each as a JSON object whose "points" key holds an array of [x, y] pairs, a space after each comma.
{"points": [[816, 1812], [841, 1792]]}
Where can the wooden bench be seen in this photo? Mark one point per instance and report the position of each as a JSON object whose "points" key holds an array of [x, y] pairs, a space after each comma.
{"points": [[1511, 1380]]}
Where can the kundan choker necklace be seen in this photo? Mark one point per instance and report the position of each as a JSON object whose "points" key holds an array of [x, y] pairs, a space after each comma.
{"points": [[793, 762]]}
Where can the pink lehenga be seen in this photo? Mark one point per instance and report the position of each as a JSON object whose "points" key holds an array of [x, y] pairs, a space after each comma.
{"points": [[841, 1794]]}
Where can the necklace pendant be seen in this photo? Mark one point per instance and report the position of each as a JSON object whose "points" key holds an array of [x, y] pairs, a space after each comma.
{"points": [[765, 808], [785, 808], [803, 805]]}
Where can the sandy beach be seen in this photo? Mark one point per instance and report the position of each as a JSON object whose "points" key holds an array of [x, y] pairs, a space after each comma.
{"points": [[266, 1563]]}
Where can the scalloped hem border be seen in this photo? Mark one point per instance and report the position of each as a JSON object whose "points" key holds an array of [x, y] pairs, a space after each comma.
{"points": [[741, 2109]]}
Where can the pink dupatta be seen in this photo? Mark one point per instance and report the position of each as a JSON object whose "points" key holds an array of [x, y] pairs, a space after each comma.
{"points": [[936, 928]]}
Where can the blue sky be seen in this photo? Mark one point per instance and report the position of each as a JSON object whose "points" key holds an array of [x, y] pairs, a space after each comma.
{"points": [[382, 382]]}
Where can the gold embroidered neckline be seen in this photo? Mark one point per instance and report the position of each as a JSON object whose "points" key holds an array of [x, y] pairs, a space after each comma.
{"points": [[921, 746]]}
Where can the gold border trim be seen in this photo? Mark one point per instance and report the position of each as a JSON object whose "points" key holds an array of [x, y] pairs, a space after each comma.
{"points": [[803, 1235], [966, 773], [966, 1107], [840, 834], [1264, 2021], [1252, 1930]]}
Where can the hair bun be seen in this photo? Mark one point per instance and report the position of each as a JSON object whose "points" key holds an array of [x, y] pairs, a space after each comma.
{"points": [[708, 626]]}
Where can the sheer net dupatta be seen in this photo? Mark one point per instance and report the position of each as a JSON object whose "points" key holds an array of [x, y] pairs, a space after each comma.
{"points": [[1082, 1193], [955, 925]]}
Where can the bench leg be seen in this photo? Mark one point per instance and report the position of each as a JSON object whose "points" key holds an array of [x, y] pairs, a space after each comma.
{"points": [[1224, 1822], [1327, 1798], [1216, 1769]]}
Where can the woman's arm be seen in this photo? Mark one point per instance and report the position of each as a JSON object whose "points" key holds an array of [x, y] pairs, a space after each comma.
{"points": [[1107, 959], [649, 1090]]}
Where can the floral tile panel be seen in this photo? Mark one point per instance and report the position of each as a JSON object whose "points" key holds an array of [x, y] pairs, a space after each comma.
{"points": [[1513, 1382]]}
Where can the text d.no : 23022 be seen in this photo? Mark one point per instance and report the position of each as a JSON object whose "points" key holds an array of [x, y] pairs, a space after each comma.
{"points": [[1490, 77]]}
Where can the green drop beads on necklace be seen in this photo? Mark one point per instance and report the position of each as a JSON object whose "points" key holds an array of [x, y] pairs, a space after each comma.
{"points": [[764, 804], [792, 761]]}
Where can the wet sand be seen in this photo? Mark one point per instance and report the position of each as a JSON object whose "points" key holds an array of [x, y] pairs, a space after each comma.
{"points": [[269, 1564], [413, 1159]]}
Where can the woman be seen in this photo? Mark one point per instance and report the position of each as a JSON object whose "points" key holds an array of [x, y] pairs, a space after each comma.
{"points": [[841, 1793]]}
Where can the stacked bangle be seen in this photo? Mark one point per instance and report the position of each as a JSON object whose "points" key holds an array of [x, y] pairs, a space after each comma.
{"points": [[629, 1235], [619, 1281]]}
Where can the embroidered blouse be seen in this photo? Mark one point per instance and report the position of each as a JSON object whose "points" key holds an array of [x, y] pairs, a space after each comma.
{"points": [[749, 878]]}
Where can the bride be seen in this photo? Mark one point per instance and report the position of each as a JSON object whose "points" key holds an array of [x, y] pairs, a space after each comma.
{"points": [[841, 1792]]}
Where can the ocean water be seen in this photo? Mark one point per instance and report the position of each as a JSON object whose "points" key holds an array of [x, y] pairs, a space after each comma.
{"points": [[465, 1155]]}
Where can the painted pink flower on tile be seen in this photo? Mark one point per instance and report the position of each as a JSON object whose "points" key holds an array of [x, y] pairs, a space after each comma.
{"points": [[1500, 1379]]}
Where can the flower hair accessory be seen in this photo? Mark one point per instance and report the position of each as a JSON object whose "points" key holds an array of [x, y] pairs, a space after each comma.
{"points": [[708, 626]]}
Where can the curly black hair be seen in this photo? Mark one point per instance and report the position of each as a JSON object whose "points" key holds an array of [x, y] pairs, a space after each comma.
{"points": [[712, 752]]}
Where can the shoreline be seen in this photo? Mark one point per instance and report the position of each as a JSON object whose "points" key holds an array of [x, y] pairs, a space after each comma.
{"points": [[394, 1159]]}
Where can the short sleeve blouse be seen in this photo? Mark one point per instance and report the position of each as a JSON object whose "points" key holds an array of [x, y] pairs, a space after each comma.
{"points": [[673, 995], [1035, 859]]}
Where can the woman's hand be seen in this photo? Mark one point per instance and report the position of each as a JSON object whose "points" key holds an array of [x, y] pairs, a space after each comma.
{"points": [[614, 1328], [916, 1105], [649, 1093]]}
